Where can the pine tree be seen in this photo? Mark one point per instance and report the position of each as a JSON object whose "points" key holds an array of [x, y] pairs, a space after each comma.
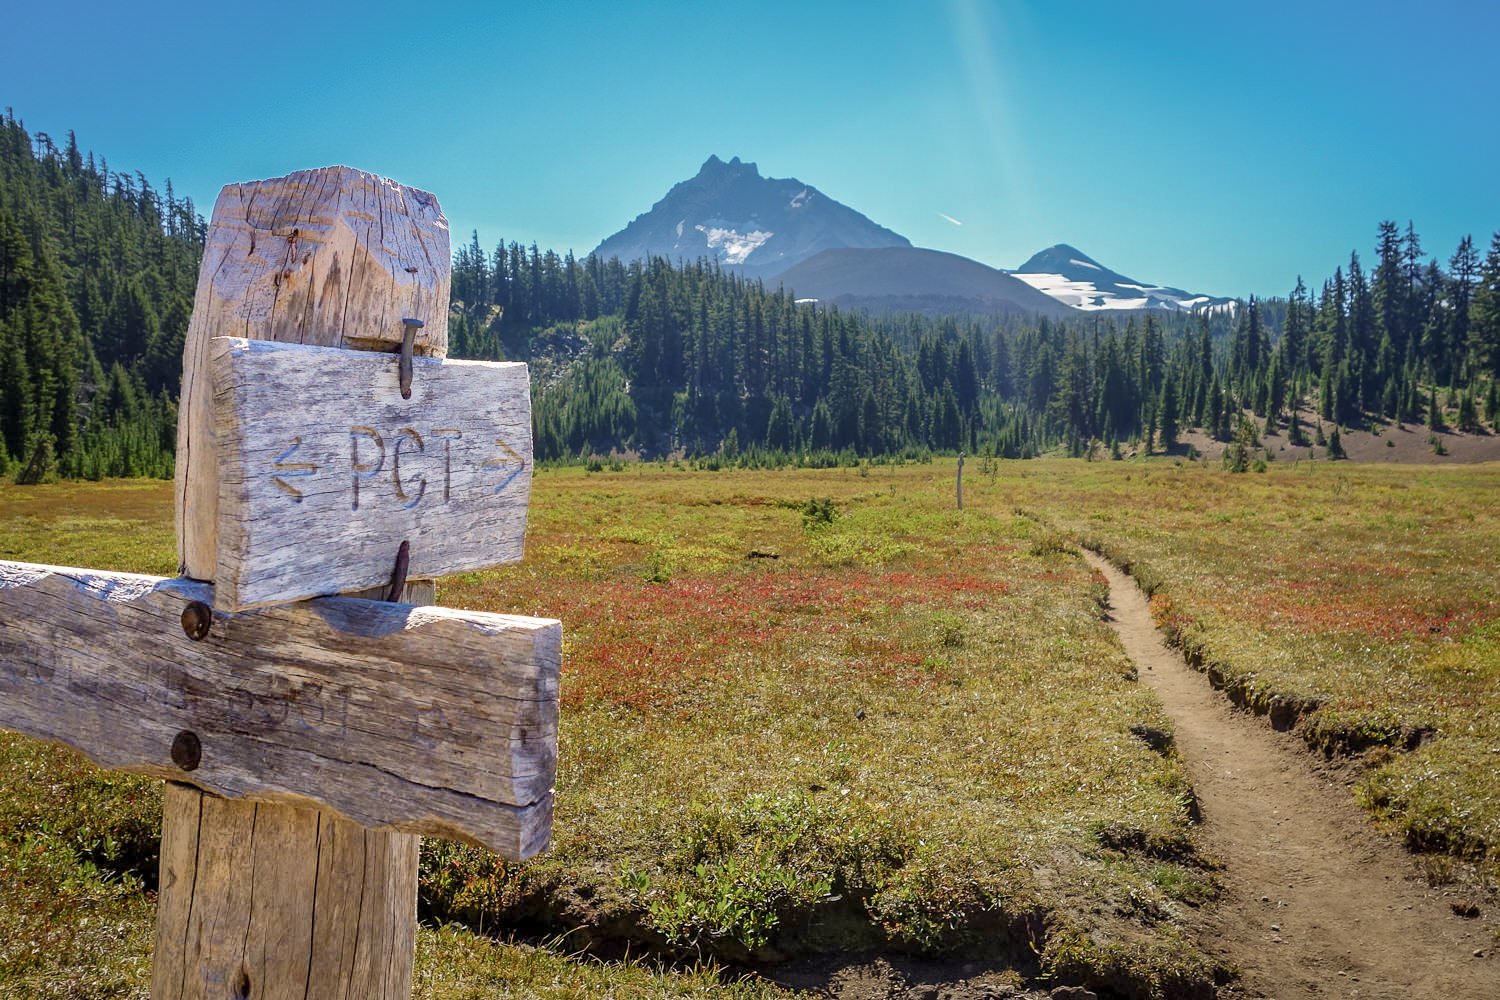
{"points": [[1167, 408], [820, 438], [1450, 341], [1468, 413], [779, 425], [1389, 286], [1484, 313], [1336, 445]]}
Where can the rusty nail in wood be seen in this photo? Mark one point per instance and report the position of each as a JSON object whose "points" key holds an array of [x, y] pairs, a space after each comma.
{"points": [[187, 750], [398, 575], [408, 346], [197, 619]]}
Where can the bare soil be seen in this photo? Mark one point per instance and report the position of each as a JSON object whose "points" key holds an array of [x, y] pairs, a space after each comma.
{"points": [[1382, 443], [1317, 903], [893, 977]]}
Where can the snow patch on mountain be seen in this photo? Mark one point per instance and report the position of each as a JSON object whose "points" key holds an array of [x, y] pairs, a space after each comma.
{"points": [[735, 244], [1075, 279], [1078, 294], [1088, 296], [801, 199]]}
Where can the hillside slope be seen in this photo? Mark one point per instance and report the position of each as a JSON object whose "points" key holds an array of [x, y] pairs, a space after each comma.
{"points": [[913, 279]]}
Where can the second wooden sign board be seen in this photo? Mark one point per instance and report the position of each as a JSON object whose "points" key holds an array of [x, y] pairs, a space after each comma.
{"points": [[422, 719], [325, 468]]}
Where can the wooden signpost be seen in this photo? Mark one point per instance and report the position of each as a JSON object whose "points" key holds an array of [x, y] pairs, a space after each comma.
{"points": [[309, 738]]}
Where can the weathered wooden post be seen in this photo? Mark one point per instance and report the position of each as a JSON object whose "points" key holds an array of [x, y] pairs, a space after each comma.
{"points": [[959, 483], [309, 740]]}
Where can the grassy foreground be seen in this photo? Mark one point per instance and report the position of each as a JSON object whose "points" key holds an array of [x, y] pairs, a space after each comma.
{"points": [[801, 711], [826, 710], [809, 710]]}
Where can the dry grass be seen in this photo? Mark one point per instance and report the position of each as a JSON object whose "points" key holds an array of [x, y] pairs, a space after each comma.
{"points": [[908, 728], [78, 846], [822, 709]]}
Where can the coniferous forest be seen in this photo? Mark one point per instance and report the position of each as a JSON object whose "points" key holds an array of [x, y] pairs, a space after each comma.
{"points": [[97, 272], [98, 269]]}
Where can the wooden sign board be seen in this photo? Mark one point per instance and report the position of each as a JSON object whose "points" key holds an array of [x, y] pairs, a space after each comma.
{"points": [[324, 469], [420, 719]]}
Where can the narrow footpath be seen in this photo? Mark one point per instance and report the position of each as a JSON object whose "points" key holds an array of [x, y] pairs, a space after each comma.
{"points": [[1317, 904]]}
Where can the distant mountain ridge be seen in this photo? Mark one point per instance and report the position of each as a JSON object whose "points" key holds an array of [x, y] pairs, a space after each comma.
{"points": [[786, 231], [1072, 277], [758, 225]]}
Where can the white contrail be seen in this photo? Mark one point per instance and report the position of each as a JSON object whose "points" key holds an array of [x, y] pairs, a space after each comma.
{"points": [[950, 218]]}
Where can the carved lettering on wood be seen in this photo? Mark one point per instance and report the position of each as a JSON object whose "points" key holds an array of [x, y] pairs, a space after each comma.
{"points": [[325, 468]]}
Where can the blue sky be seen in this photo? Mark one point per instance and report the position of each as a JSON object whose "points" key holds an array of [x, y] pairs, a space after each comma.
{"points": [[1219, 147]]}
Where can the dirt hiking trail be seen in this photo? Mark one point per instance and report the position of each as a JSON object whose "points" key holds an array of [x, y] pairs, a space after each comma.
{"points": [[1316, 903]]}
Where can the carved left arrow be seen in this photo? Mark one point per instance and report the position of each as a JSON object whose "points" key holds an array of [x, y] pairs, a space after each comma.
{"points": [[291, 470]]}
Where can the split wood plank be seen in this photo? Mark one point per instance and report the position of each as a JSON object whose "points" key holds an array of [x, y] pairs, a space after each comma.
{"points": [[235, 942], [320, 455], [335, 257], [418, 719]]}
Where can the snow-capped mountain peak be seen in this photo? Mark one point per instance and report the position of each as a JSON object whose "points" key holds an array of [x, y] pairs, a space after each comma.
{"points": [[760, 225], [1076, 279]]}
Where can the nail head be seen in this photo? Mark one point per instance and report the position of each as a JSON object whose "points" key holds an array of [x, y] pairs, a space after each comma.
{"points": [[197, 620], [187, 750]]}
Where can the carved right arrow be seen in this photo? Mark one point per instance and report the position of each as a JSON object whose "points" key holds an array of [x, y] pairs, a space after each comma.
{"points": [[505, 461]]}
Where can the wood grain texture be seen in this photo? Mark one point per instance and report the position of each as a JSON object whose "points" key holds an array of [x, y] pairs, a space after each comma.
{"points": [[419, 719], [325, 469], [333, 257], [312, 938]]}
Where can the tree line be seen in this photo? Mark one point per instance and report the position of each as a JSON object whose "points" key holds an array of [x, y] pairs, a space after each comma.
{"points": [[97, 271], [691, 359]]}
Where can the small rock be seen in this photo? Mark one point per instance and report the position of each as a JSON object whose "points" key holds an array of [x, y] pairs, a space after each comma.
{"points": [[1276, 928], [859, 714], [1072, 993], [1478, 952]]}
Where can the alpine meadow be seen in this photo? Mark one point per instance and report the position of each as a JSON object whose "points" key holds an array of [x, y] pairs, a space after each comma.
{"points": [[890, 623]]}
